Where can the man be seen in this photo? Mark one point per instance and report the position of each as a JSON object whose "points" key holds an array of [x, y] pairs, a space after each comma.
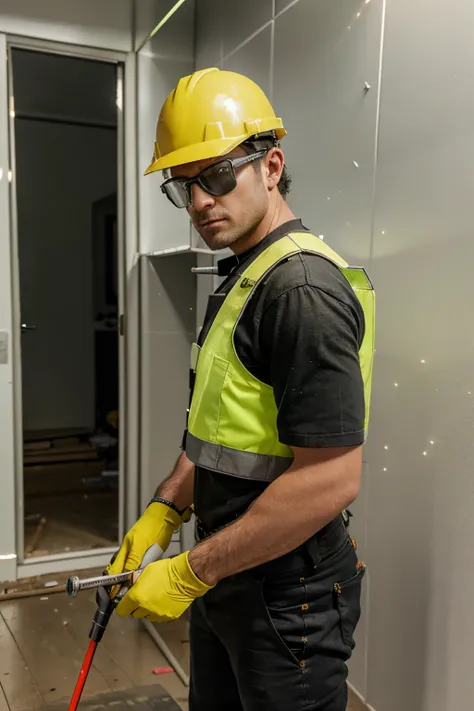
{"points": [[279, 410]]}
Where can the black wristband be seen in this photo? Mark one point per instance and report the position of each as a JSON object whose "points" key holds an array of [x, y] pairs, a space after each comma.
{"points": [[167, 502]]}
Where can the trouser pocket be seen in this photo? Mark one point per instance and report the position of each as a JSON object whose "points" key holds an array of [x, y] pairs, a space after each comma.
{"points": [[347, 602], [284, 607]]}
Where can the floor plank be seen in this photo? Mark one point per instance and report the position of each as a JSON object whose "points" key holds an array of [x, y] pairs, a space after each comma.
{"points": [[53, 657], [17, 682], [78, 617], [3, 700], [132, 648], [53, 636]]}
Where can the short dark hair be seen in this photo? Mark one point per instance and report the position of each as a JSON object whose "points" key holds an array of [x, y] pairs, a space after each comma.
{"points": [[266, 142], [284, 186]]}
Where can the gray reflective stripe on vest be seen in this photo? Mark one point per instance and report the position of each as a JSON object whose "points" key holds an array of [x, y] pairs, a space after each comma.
{"points": [[234, 462]]}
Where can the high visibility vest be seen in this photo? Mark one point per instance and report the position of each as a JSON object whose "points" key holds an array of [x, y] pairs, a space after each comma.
{"points": [[232, 424]]}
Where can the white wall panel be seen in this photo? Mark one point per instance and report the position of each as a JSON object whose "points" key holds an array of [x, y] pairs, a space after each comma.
{"points": [[95, 23], [148, 14], [161, 63], [254, 59], [281, 5], [324, 54], [221, 26], [209, 42], [168, 330], [420, 508], [359, 531], [242, 19]]}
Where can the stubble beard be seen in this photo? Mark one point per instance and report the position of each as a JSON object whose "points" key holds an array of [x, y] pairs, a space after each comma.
{"points": [[227, 237]]}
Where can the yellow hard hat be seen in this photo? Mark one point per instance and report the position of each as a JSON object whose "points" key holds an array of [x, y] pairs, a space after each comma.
{"points": [[208, 115]]}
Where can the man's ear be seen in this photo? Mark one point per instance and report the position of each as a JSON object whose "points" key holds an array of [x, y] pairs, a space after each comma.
{"points": [[274, 165]]}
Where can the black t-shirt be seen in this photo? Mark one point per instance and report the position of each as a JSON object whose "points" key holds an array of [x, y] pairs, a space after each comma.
{"points": [[300, 333]]}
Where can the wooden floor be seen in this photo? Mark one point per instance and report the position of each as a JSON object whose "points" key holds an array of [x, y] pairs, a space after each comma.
{"points": [[42, 645]]}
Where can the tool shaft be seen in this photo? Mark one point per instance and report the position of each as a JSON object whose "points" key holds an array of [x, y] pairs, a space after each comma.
{"points": [[86, 665], [88, 583], [75, 584]]}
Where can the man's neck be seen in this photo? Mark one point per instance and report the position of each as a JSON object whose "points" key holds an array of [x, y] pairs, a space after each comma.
{"points": [[277, 215]]}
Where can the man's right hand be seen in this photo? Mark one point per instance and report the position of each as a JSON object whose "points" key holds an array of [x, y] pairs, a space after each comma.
{"points": [[156, 525]]}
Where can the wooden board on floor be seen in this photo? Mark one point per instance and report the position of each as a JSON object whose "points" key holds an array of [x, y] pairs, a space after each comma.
{"points": [[78, 618], [131, 647], [53, 456], [52, 655], [41, 653], [3, 700], [38, 582], [17, 681], [35, 435], [36, 446], [67, 442]]}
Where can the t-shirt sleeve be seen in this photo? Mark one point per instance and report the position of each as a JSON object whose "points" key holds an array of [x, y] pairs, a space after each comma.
{"points": [[310, 341]]}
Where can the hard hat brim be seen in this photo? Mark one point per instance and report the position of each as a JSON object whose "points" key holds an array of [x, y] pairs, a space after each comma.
{"points": [[202, 151]]}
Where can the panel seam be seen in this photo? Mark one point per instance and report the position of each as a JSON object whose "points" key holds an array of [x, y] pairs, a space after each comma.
{"points": [[377, 130], [371, 259], [285, 9], [247, 40]]}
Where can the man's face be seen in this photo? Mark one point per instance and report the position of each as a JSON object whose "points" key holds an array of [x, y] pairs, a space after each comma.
{"points": [[222, 221]]}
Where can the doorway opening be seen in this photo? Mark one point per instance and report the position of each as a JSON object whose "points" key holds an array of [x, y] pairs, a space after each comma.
{"points": [[66, 155]]}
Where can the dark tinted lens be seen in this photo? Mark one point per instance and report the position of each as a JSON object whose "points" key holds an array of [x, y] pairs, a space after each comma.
{"points": [[218, 179], [176, 192]]}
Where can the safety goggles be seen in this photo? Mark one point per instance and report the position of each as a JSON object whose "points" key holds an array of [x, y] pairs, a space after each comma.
{"points": [[217, 179]]}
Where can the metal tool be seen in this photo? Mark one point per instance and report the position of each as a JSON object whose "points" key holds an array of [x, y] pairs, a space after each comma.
{"points": [[75, 585], [105, 607]]}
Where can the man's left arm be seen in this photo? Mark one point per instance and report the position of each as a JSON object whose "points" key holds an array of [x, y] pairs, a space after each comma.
{"points": [[317, 487]]}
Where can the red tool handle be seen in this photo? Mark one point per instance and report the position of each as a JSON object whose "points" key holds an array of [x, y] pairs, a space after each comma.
{"points": [[86, 665], [105, 608]]}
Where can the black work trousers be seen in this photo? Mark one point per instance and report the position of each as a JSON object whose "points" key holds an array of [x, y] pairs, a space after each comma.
{"points": [[273, 640]]}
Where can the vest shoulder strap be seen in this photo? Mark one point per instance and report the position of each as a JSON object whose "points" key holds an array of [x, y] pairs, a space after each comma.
{"points": [[293, 243], [356, 276]]}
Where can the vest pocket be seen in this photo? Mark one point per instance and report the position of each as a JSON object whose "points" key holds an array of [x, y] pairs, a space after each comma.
{"points": [[206, 402]]}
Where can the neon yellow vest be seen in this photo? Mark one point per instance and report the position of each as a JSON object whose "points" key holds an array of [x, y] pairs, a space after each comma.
{"points": [[232, 425]]}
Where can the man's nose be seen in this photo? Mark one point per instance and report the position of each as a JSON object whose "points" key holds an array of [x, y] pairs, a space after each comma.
{"points": [[201, 200]]}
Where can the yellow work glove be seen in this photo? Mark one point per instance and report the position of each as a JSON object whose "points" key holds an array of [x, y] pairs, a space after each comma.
{"points": [[156, 525], [163, 591]]}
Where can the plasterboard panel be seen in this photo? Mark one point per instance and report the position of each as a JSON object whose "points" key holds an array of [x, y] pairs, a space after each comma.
{"points": [[164, 60], [331, 120], [148, 13], [420, 505], [168, 330], [254, 60], [222, 25], [280, 5], [242, 19], [359, 531], [209, 44]]}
